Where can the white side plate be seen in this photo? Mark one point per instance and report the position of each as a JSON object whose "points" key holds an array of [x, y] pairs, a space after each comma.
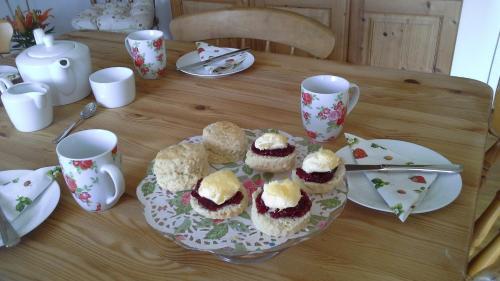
{"points": [[40, 209], [442, 192], [192, 57]]}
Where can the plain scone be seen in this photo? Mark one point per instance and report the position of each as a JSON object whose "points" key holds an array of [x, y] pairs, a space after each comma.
{"points": [[276, 227], [270, 163], [225, 142], [225, 212], [179, 167], [314, 187]]}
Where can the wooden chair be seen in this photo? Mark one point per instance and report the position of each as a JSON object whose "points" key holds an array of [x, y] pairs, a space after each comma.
{"points": [[489, 254], [270, 25]]}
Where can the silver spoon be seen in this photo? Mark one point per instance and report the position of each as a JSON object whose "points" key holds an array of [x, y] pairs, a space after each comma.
{"points": [[88, 111]]}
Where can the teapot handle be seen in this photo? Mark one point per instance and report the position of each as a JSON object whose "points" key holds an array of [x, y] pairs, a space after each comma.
{"points": [[5, 84]]}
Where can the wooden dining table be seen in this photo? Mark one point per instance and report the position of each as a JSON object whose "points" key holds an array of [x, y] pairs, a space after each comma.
{"points": [[446, 114]]}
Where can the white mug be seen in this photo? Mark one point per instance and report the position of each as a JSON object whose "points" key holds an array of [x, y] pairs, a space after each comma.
{"points": [[326, 100], [28, 104], [147, 50], [113, 87], [91, 168]]}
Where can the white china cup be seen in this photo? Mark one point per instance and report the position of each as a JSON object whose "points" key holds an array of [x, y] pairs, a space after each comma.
{"points": [[147, 50], [326, 100], [28, 104], [113, 87], [91, 167]]}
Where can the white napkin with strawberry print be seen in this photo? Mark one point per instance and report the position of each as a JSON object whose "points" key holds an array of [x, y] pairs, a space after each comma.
{"points": [[18, 193], [402, 191], [206, 51]]}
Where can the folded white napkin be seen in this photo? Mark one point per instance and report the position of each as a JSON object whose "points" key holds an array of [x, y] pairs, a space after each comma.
{"points": [[206, 51], [401, 191], [18, 193]]}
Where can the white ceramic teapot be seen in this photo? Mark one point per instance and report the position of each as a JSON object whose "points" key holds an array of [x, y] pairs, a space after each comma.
{"points": [[64, 66]]}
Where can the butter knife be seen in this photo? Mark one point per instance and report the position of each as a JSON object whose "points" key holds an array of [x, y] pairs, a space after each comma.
{"points": [[444, 168], [9, 235], [212, 60]]}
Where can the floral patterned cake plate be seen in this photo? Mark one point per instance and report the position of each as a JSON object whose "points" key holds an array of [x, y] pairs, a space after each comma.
{"points": [[234, 240]]}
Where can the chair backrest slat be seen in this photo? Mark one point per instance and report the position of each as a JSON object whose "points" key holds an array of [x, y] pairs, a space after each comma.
{"points": [[270, 25]]}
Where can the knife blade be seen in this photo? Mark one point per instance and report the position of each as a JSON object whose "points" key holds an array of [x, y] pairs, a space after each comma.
{"points": [[212, 60], [443, 168], [9, 235]]}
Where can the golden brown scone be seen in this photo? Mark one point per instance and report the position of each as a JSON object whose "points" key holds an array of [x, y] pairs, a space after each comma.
{"points": [[277, 227], [225, 212], [314, 187], [178, 167], [225, 142], [270, 163]]}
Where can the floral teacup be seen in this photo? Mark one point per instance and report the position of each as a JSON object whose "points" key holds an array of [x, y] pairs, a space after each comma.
{"points": [[326, 100], [91, 168], [147, 49]]}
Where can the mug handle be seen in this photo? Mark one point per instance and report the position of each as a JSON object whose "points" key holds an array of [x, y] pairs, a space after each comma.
{"points": [[117, 178], [127, 46], [353, 96], [5, 84]]}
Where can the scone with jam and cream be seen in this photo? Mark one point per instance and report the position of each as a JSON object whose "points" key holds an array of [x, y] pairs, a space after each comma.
{"points": [[178, 167], [225, 142], [219, 195], [280, 208], [271, 152], [321, 172]]}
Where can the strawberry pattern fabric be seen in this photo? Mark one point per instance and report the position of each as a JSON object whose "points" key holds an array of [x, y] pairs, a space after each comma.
{"points": [[206, 51], [401, 191], [17, 194]]}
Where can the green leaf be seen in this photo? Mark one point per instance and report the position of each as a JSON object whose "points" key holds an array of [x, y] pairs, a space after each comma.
{"points": [[204, 223], [276, 131], [256, 177], [250, 133], [245, 215], [313, 147], [374, 145], [351, 141], [150, 168], [180, 208], [22, 203], [315, 219], [268, 176], [15, 180], [247, 169], [54, 173], [379, 183], [329, 203], [397, 209], [217, 232], [147, 188], [238, 226], [185, 225], [240, 247]]}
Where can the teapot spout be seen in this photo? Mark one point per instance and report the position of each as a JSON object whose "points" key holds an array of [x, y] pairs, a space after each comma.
{"points": [[62, 75]]}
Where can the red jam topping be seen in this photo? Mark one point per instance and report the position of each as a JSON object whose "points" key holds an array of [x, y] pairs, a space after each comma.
{"points": [[318, 177], [298, 211], [280, 152], [211, 205]]}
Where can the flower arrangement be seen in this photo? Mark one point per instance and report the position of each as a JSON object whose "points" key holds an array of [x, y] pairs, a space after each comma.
{"points": [[25, 23]]}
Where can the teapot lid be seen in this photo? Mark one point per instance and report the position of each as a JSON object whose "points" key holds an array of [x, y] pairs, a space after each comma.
{"points": [[50, 48]]}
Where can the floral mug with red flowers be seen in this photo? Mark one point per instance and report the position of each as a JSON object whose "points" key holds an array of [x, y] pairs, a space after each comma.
{"points": [[326, 100], [91, 167], [147, 50]]}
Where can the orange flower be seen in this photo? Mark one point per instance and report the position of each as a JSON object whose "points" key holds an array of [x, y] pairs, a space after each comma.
{"points": [[44, 16]]}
